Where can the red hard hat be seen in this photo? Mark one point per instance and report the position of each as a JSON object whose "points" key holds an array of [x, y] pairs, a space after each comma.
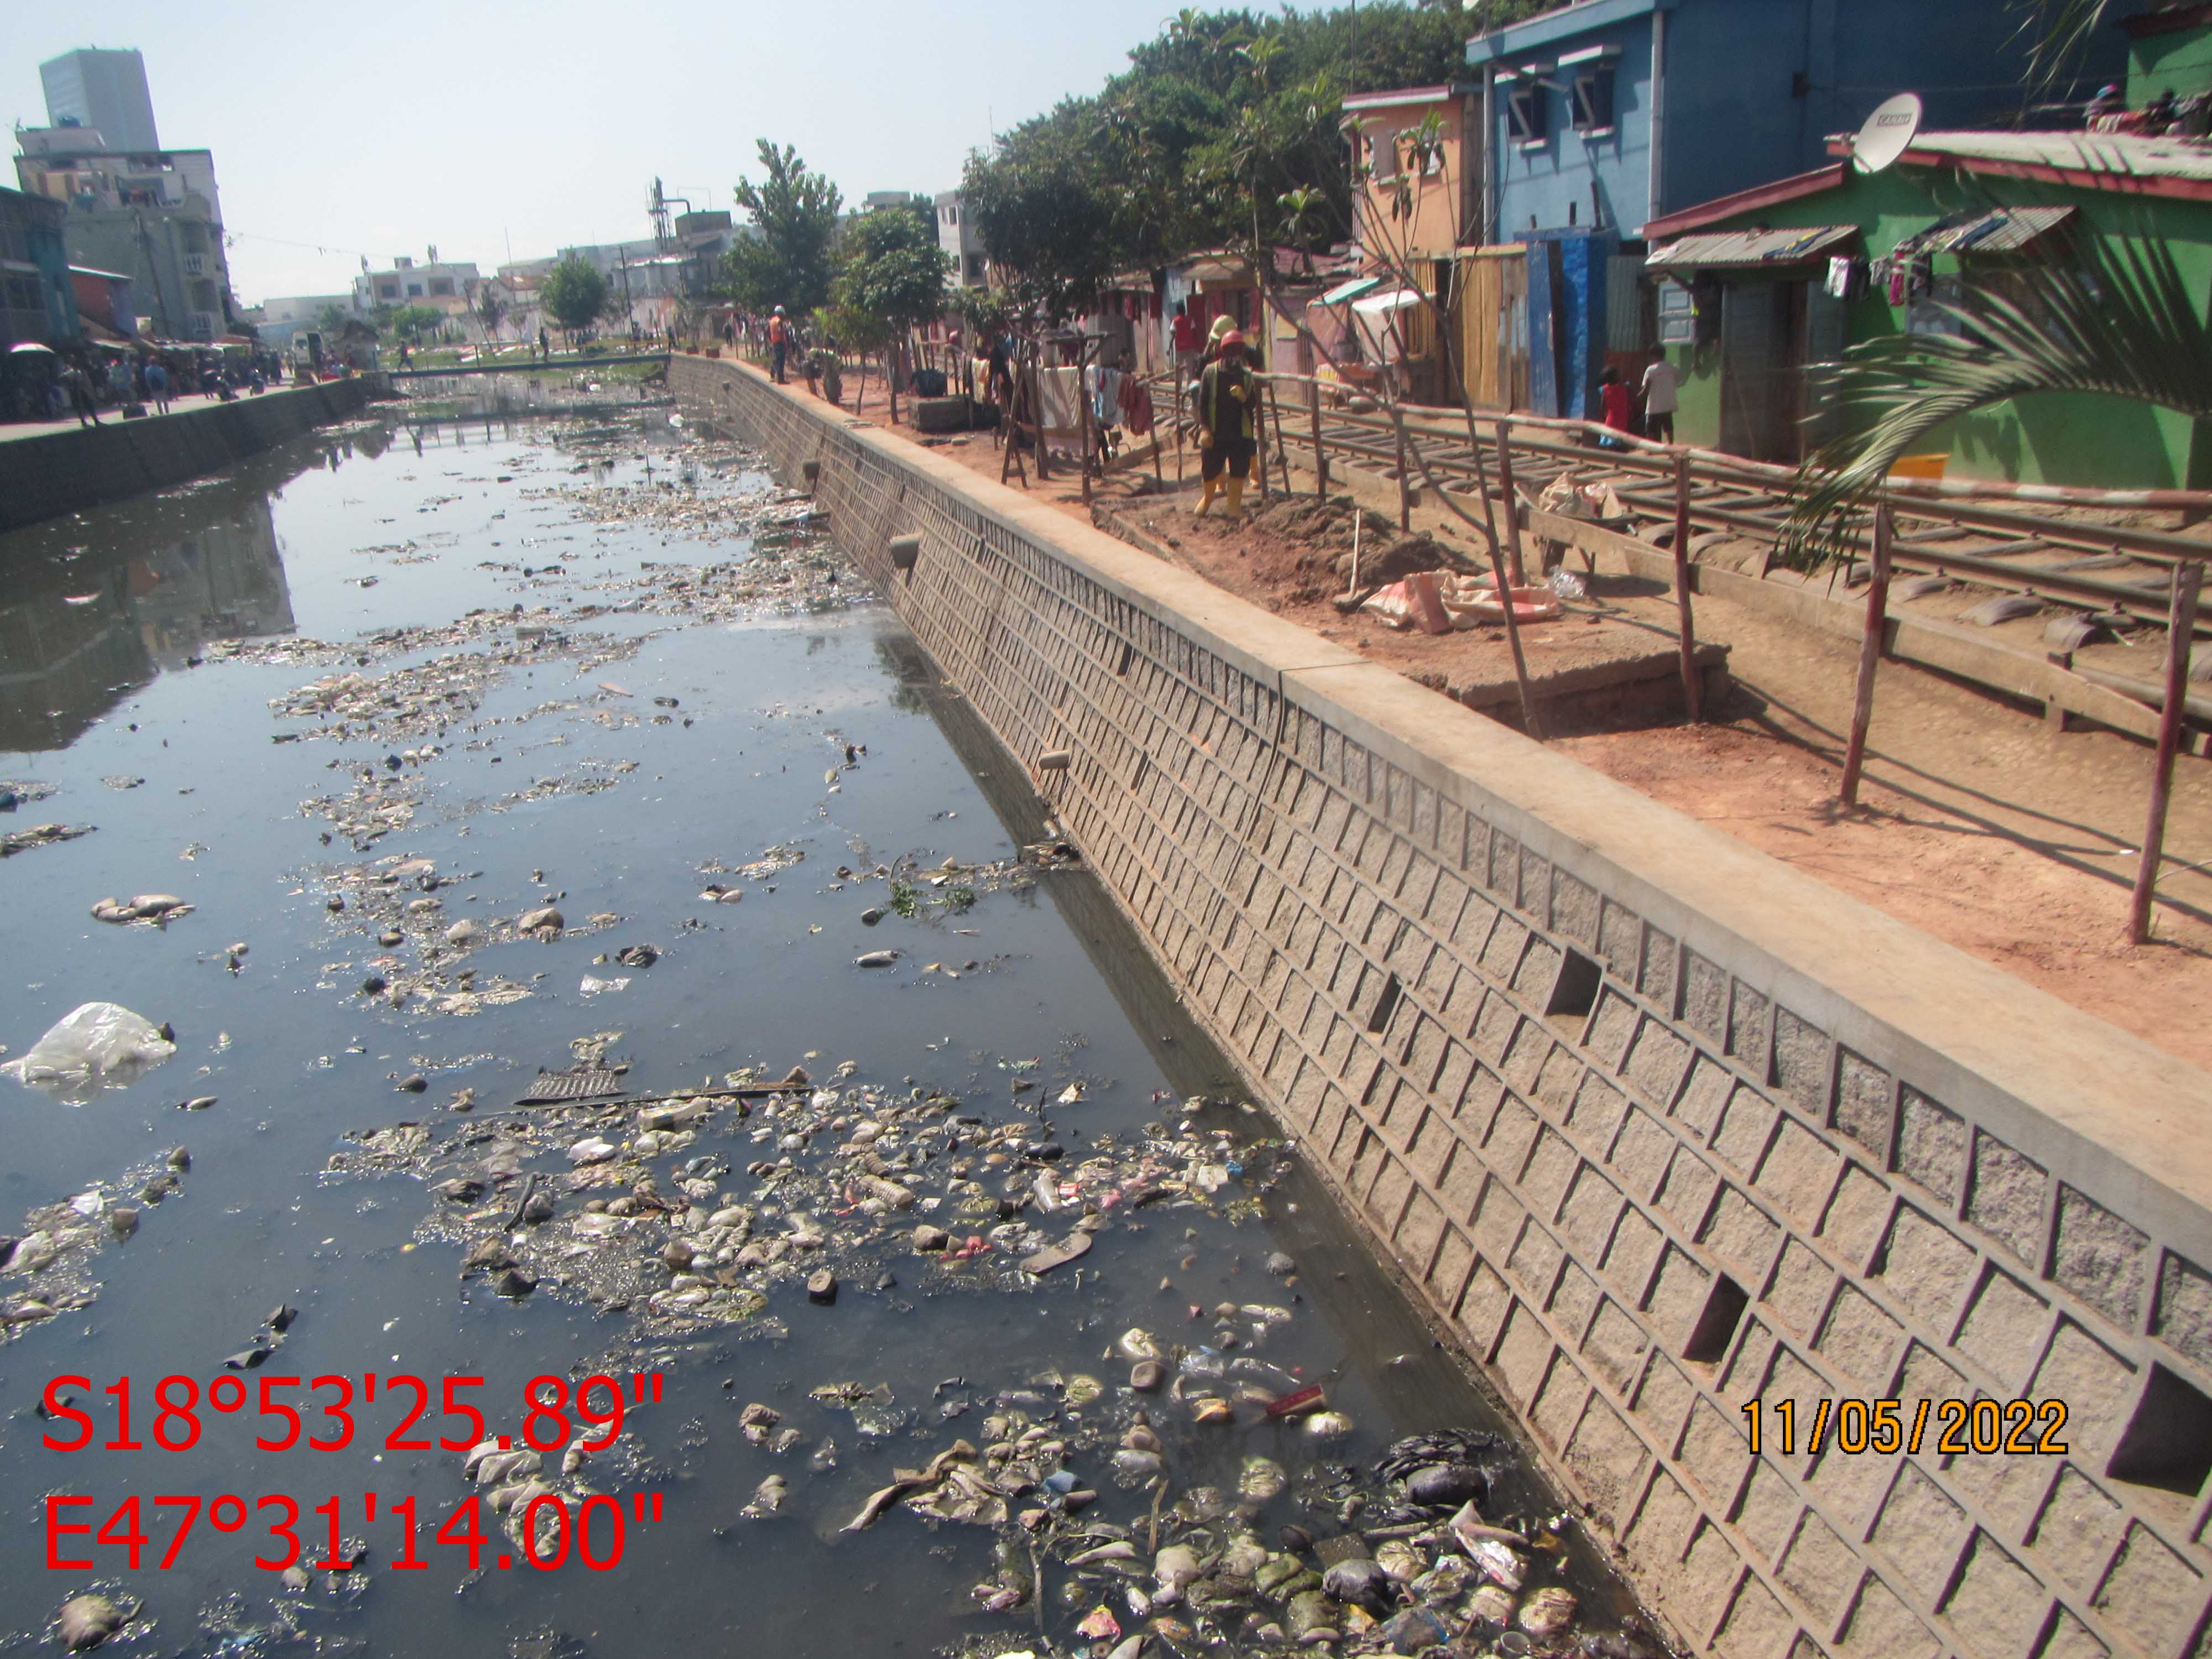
{"points": [[1234, 337]]}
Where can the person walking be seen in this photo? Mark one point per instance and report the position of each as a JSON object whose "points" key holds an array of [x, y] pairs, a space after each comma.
{"points": [[1615, 407], [157, 385], [1662, 387], [1186, 337], [78, 385], [779, 342], [1226, 394]]}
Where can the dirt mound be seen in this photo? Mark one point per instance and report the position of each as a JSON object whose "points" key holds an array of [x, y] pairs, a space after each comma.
{"points": [[1321, 523], [1324, 530], [1401, 556]]}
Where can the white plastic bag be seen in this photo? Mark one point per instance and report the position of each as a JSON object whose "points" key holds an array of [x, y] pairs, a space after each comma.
{"points": [[98, 1045]]}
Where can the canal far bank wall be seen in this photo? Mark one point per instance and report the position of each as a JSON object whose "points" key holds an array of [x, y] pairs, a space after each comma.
{"points": [[1658, 1127], [57, 472]]}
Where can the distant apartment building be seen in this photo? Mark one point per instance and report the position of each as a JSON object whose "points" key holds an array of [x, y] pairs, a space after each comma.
{"points": [[446, 285], [958, 238], [131, 208], [103, 90], [153, 216]]}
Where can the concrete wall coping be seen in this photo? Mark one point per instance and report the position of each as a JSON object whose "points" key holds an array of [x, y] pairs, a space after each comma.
{"points": [[2119, 1120]]}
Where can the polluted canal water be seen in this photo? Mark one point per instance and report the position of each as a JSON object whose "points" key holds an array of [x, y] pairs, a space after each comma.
{"points": [[640, 1085]]}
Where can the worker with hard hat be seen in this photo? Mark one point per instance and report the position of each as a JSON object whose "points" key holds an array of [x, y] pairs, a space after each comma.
{"points": [[1228, 393], [779, 341]]}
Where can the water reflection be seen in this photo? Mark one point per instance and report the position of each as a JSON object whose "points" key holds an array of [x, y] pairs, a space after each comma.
{"points": [[80, 629]]}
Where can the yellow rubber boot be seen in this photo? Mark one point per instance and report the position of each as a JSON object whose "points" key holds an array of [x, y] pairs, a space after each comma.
{"points": [[1206, 492], [1235, 510]]}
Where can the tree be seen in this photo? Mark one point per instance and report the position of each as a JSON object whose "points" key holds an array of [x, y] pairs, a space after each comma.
{"points": [[890, 279], [333, 319], [788, 259], [572, 294], [890, 268], [2116, 319], [410, 322], [1049, 228], [1197, 143], [491, 308]]}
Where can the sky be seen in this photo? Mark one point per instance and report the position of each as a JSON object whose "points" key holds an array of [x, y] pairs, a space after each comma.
{"points": [[340, 132]]}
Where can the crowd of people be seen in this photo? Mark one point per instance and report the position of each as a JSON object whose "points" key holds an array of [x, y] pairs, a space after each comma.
{"points": [[88, 381]]}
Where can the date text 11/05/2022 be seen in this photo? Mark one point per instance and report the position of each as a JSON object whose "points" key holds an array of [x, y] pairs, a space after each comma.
{"points": [[2024, 1428]]}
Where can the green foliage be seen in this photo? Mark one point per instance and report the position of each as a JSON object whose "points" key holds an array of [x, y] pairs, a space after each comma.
{"points": [[490, 307], [1222, 131], [2057, 34], [2119, 321], [979, 309], [572, 294], [410, 322], [892, 271], [906, 898], [333, 319], [788, 261]]}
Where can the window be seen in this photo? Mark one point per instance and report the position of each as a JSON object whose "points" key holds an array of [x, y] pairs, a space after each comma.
{"points": [[1591, 97], [1524, 111], [387, 290], [442, 285], [414, 290], [1383, 155]]}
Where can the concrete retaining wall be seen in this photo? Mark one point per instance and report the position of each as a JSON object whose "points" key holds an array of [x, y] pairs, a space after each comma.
{"points": [[59, 472], [1656, 1125]]}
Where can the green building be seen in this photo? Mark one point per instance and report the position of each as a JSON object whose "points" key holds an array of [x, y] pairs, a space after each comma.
{"points": [[1754, 290]]}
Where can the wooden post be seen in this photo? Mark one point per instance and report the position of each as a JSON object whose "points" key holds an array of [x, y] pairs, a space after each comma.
{"points": [[2181, 627], [1877, 606], [1282, 453], [1512, 501], [1321, 455], [1083, 415], [1178, 425], [1037, 409], [1685, 625], [1531, 722], [1158, 442], [1405, 486]]}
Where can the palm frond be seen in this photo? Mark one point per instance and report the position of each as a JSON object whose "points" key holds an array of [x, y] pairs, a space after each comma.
{"points": [[2057, 33], [2119, 321]]}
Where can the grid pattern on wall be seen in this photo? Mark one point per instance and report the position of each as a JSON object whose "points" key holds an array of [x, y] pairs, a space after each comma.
{"points": [[1643, 1189]]}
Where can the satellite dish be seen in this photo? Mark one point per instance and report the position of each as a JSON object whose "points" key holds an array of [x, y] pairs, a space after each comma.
{"points": [[1887, 132]]}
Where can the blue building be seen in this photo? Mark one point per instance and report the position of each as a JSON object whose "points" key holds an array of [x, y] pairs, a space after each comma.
{"points": [[36, 302], [1606, 114]]}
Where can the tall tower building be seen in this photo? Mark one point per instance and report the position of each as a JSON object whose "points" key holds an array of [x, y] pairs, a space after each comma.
{"points": [[105, 90]]}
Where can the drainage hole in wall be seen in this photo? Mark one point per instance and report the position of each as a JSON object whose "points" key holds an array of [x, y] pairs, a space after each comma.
{"points": [[1715, 1326], [2168, 1442]]}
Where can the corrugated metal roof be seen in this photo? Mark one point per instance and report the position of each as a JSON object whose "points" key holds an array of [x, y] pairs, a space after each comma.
{"points": [[1345, 292], [2126, 154], [2000, 230], [1754, 247]]}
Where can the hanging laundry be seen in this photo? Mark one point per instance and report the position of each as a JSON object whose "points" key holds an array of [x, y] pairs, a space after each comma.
{"points": [[1839, 276], [1136, 403]]}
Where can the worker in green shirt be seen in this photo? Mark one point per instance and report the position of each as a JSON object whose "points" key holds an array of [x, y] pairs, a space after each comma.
{"points": [[1227, 393]]}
